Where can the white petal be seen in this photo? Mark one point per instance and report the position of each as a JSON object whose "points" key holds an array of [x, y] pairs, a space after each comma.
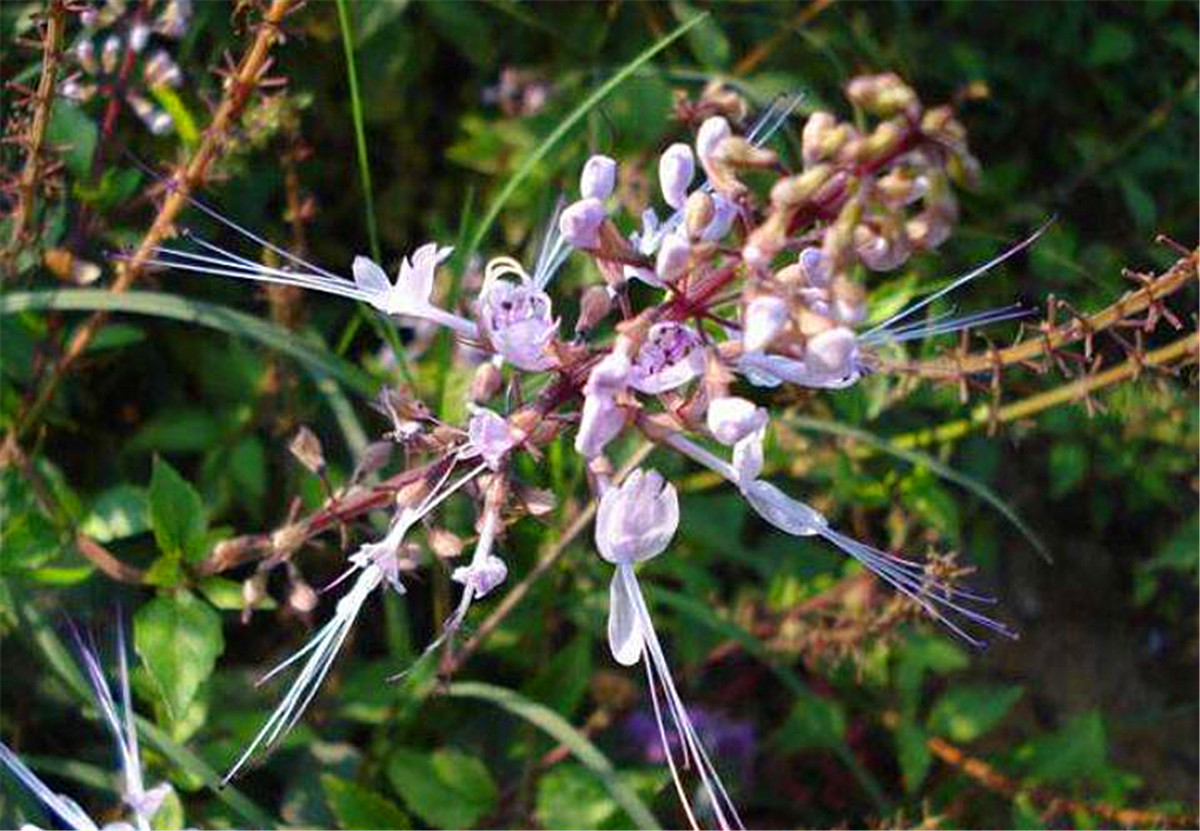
{"points": [[785, 513], [625, 637], [369, 277]]}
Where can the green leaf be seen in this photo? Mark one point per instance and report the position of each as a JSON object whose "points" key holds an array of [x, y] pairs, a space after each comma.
{"points": [[354, 806], [912, 754], [561, 731], [177, 430], [1068, 466], [176, 514], [169, 816], [815, 722], [966, 712], [707, 42], [570, 797], [226, 594], [315, 357], [118, 512], [1075, 750], [71, 128], [922, 654], [447, 789], [1112, 44], [178, 638], [563, 682]]}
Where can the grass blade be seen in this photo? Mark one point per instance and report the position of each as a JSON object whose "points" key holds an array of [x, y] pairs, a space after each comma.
{"points": [[313, 355], [568, 124], [916, 457], [360, 133], [559, 729]]}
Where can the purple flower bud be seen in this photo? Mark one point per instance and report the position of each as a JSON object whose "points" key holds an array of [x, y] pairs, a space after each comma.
{"points": [[712, 132], [580, 223], [673, 256], [110, 54], [765, 317], [831, 352], [598, 179], [815, 266], [723, 216], [85, 53], [139, 36], [731, 419], [676, 167]]}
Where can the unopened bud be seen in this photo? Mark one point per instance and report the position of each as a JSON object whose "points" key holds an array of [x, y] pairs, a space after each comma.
{"points": [[287, 539], [306, 447], [486, 383], [85, 53], [673, 256], [736, 151], [849, 300], [374, 456], [110, 54], [830, 352], [793, 191], [815, 266], [881, 251], [676, 167], [301, 597], [698, 214], [444, 544], [712, 132], [724, 212], [254, 589], [537, 501], [599, 177], [139, 36], [823, 137], [765, 317], [899, 187], [731, 419], [885, 139], [580, 223], [595, 305], [883, 95]]}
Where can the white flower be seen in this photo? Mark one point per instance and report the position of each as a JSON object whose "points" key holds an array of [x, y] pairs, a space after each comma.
{"points": [[385, 554], [483, 576], [748, 456], [637, 519], [731, 419], [673, 256], [831, 353], [580, 222], [676, 168], [671, 355], [765, 317], [490, 437], [518, 322], [599, 177], [646, 242], [724, 212], [412, 293], [602, 419]]}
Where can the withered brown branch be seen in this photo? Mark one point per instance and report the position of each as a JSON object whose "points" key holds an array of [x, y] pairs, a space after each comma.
{"points": [[238, 88], [1052, 337], [1052, 804], [33, 141]]}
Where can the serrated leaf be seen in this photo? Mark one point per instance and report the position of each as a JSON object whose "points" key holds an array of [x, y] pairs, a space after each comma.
{"points": [[1075, 750], [354, 806], [176, 513], [446, 788], [964, 713], [178, 637], [570, 797]]}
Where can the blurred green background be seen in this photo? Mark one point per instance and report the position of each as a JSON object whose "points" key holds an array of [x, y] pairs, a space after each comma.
{"points": [[1083, 111]]}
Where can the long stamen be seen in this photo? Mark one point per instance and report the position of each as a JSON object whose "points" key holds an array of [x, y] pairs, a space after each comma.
{"points": [[945, 324], [964, 279], [64, 806]]}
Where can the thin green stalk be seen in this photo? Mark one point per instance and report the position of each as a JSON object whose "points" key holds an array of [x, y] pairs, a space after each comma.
{"points": [[360, 134]]}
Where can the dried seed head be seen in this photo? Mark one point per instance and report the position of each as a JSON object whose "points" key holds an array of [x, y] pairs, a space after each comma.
{"points": [[306, 447], [486, 383], [285, 540], [537, 502], [595, 305]]}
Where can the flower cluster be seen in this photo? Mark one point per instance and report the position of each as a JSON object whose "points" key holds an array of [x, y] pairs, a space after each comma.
{"points": [[114, 61], [749, 283]]}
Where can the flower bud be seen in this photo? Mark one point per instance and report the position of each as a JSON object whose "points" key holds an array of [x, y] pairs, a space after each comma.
{"points": [[815, 267], [673, 256], [139, 36], [823, 137], [793, 191], [885, 139], [883, 95], [730, 419], [601, 422], [254, 589], [486, 382], [85, 53], [599, 177], [160, 69], [698, 214], [110, 54], [765, 317], [580, 223], [676, 167], [830, 352], [849, 300], [712, 132], [881, 251], [736, 151], [594, 306], [637, 519], [724, 212]]}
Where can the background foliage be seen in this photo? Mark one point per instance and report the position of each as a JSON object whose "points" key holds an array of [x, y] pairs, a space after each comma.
{"points": [[174, 435]]}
